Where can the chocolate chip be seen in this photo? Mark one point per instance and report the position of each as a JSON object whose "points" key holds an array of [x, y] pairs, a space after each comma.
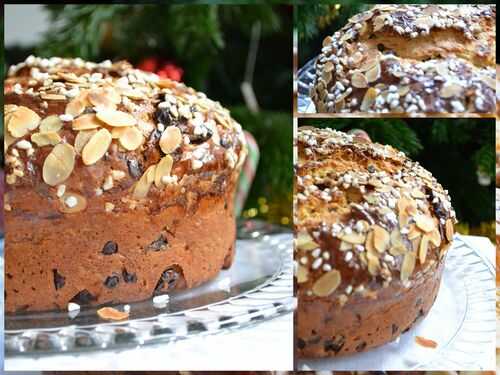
{"points": [[134, 168], [129, 277], [111, 281], [301, 344], [161, 243], [200, 138], [163, 115], [361, 347], [110, 248], [84, 297], [59, 280], [394, 329], [168, 279], [371, 169], [226, 141], [335, 344]]}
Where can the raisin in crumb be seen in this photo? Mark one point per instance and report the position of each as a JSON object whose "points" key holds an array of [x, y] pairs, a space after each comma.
{"points": [[110, 248], [160, 243], [129, 277], [59, 280], [111, 281], [83, 297]]}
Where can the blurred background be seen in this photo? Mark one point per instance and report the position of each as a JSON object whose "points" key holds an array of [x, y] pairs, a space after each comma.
{"points": [[458, 152], [316, 20], [239, 55]]}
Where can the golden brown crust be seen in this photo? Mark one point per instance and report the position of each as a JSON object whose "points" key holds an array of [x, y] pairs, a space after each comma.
{"points": [[100, 153], [370, 224], [410, 58]]}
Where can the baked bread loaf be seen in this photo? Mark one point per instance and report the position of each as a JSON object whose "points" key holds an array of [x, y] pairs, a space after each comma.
{"points": [[372, 230], [410, 58], [120, 185]]}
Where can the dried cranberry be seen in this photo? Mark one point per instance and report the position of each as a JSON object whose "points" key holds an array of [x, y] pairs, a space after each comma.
{"points": [[59, 280], [160, 243], [110, 248], [83, 297], [129, 277], [111, 281]]}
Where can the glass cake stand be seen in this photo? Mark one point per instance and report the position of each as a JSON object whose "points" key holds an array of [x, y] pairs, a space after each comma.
{"points": [[258, 287], [462, 322], [305, 79]]}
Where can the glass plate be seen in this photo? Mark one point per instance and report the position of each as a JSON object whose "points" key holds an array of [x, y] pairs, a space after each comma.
{"points": [[461, 321], [305, 79], [258, 287]]}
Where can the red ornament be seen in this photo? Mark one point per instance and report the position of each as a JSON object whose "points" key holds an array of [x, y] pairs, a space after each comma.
{"points": [[149, 64], [171, 71]]}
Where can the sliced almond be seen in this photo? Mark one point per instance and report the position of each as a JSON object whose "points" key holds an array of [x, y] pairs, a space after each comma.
{"points": [[305, 242], [302, 274], [59, 164], [368, 99], [50, 124], [131, 138], [116, 133], [381, 238], [423, 248], [396, 238], [353, 238], [434, 237], [425, 222], [116, 118], [418, 194], [72, 203], [52, 97], [379, 22], [109, 313], [413, 232], [87, 122], [328, 67], [101, 100], [373, 74], [170, 139], [82, 138], [345, 246], [21, 121], [45, 139], [75, 107], [327, 284], [359, 80], [163, 168], [449, 230], [373, 264], [451, 90], [397, 250], [142, 186], [369, 242], [96, 147], [408, 265]]}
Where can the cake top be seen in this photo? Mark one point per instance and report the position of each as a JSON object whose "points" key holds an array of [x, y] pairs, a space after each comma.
{"points": [[366, 216], [116, 125], [410, 58]]}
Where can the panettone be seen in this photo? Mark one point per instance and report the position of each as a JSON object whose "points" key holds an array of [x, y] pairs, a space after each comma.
{"points": [[372, 229], [410, 58], [120, 184]]}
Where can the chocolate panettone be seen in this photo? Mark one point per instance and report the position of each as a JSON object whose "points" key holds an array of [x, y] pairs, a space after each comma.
{"points": [[120, 185], [410, 58], [372, 229]]}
